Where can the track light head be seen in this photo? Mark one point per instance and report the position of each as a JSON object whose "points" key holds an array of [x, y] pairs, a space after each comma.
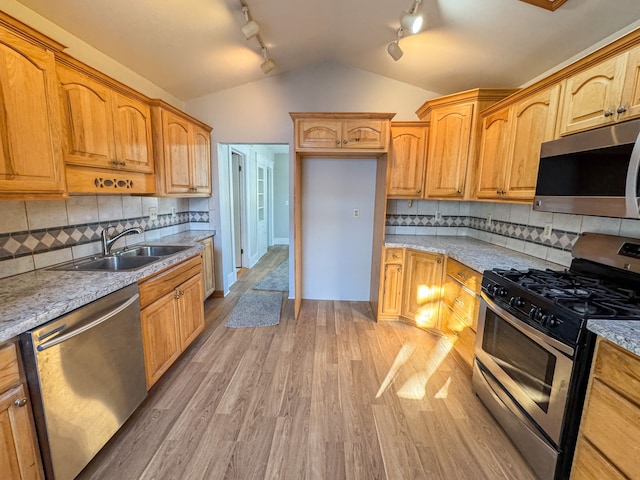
{"points": [[269, 63], [411, 22], [251, 28], [394, 50]]}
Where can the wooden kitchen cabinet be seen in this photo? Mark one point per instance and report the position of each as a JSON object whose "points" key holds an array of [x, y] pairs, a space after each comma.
{"points": [[610, 423], [19, 453], [182, 147], [329, 132], [106, 136], [407, 159], [454, 131], [510, 145], [208, 269], [606, 93], [460, 305], [172, 315], [422, 287], [31, 163], [390, 306]]}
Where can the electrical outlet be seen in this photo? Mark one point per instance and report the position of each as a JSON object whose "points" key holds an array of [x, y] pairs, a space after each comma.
{"points": [[153, 214], [489, 219], [173, 213], [438, 217], [546, 233], [356, 212]]}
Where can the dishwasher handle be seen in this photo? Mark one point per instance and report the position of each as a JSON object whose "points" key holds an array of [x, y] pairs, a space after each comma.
{"points": [[88, 325]]}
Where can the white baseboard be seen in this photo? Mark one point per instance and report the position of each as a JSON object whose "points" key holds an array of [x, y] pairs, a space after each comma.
{"points": [[281, 241]]}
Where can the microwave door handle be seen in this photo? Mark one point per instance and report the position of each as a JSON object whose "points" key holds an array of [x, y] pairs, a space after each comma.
{"points": [[631, 192]]}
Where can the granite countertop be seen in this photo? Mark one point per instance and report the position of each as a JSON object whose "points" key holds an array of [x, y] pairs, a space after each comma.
{"points": [[473, 253], [34, 298], [482, 256]]}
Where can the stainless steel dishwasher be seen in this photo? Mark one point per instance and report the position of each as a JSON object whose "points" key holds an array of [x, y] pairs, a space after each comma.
{"points": [[85, 372]]}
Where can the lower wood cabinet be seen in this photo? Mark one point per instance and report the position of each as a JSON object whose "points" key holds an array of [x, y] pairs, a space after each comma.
{"points": [[607, 446], [172, 315], [391, 283], [460, 305], [19, 453], [208, 269], [422, 288]]}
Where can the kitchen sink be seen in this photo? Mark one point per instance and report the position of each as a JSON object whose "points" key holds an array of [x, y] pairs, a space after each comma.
{"points": [[108, 264], [152, 250]]}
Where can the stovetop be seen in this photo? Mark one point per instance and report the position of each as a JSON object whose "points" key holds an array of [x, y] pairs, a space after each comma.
{"points": [[558, 303]]}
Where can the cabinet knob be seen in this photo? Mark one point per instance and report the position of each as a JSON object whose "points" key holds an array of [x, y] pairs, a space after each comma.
{"points": [[419, 191], [459, 192], [114, 162], [439, 261], [621, 109], [337, 142], [20, 402], [344, 142], [122, 164], [608, 113]]}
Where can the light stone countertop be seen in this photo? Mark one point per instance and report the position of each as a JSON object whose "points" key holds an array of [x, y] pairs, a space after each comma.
{"points": [[482, 256], [34, 298], [473, 253]]}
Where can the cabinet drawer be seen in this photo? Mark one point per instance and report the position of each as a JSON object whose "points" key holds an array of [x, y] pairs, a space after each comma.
{"points": [[589, 464], [619, 369], [461, 301], [465, 275], [611, 425], [393, 255], [154, 287], [9, 370], [460, 333]]}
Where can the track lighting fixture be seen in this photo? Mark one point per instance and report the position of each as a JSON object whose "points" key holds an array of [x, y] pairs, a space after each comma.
{"points": [[269, 64], [251, 28], [411, 21]]}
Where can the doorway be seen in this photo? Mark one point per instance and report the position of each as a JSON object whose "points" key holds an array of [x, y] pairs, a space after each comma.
{"points": [[254, 204]]}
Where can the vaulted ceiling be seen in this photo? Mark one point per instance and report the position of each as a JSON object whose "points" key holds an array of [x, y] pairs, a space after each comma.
{"points": [[194, 47]]}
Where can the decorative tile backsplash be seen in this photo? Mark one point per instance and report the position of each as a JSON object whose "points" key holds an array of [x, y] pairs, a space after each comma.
{"points": [[514, 226], [37, 234]]}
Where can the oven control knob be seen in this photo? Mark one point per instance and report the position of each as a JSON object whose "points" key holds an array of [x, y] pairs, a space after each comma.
{"points": [[535, 313], [550, 321], [516, 302], [498, 291]]}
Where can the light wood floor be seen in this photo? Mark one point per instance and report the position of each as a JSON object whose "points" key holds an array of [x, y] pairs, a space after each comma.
{"points": [[333, 395]]}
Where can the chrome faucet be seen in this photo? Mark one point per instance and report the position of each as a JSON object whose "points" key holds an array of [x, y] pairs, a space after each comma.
{"points": [[107, 242]]}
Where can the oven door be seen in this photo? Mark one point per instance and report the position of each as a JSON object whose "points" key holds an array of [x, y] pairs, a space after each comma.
{"points": [[533, 369]]}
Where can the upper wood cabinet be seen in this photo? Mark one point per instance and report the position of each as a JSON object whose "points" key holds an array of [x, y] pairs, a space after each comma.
{"points": [[328, 132], [510, 145], [182, 148], [453, 140], [605, 93], [407, 159], [103, 128], [31, 164]]}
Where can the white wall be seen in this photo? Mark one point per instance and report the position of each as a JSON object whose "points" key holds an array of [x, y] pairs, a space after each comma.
{"points": [[281, 199], [258, 112], [336, 246]]}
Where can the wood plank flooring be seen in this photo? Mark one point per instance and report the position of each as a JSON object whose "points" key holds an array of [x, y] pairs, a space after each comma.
{"points": [[333, 395]]}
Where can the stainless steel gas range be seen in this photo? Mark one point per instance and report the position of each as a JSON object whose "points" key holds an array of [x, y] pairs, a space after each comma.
{"points": [[533, 350]]}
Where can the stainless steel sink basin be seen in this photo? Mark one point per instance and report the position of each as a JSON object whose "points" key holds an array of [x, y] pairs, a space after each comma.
{"points": [[108, 264], [153, 250]]}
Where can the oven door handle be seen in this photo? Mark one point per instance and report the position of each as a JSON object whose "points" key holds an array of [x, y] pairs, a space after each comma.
{"points": [[526, 329]]}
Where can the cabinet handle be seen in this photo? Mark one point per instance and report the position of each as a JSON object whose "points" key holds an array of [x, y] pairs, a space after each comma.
{"points": [[608, 113], [621, 109], [394, 256], [462, 275], [193, 189], [344, 142], [20, 402], [337, 142], [458, 301], [419, 190]]}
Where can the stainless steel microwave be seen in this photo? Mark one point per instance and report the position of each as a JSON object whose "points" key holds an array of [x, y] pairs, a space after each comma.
{"points": [[591, 173]]}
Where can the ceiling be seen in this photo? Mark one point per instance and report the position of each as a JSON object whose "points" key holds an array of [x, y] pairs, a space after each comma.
{"points": [[194, 47]]}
